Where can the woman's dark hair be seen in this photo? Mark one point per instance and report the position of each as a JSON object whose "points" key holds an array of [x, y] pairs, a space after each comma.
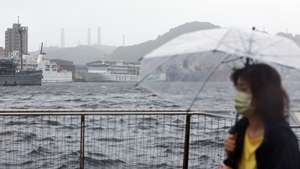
{"points": [[234, 77], [269, 99]]}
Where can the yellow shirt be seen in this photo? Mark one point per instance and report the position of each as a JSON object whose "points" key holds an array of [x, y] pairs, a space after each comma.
{"points": [[248, 160]]}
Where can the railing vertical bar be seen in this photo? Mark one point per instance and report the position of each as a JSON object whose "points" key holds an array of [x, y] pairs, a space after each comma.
{"points": [[82, 135], [187, 142]]}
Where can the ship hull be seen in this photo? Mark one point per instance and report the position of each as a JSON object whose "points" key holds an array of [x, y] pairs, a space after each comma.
{"points": [[24, 78], [50, 77], [103, 77]]}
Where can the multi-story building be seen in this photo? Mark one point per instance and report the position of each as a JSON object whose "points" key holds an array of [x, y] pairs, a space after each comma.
{"points": [[2, 52], [13, 39]]}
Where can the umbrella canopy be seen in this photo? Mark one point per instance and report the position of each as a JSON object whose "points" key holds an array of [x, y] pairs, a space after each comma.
{"points": [[252, 44], [179, 69]]}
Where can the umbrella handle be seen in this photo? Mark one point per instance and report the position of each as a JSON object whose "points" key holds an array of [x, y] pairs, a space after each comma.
{"points": [[229, 160]]}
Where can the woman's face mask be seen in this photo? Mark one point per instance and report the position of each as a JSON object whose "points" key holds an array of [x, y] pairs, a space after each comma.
{"points": [[242, 103]]}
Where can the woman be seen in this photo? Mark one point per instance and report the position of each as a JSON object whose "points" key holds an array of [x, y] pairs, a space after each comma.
{"points": [[262, 139]]}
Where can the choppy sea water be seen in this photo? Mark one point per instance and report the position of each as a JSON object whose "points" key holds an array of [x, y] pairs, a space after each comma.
{"points": [[78, 95], [111, 141], [216, 95]]}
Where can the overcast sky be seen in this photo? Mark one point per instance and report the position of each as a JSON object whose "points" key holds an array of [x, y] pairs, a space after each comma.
{"points": [[140, 20]]}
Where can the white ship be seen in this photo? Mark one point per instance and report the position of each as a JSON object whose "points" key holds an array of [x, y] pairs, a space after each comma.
{"points": [[110, 71], [52, 71]]}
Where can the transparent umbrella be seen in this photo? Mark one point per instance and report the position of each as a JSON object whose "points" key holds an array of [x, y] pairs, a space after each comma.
{"points": [[181, 69]]}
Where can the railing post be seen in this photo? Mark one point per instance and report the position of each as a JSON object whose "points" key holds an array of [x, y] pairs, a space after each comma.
{"points": [[82, 129], [187, 142]]}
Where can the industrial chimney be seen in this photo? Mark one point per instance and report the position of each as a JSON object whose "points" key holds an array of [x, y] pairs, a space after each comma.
{"points": [[62, 38], [89, 39], [99, 36], [123, 40]]}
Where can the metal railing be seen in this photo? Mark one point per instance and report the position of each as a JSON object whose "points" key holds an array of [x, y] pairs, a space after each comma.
{"points": [[113, 138]]}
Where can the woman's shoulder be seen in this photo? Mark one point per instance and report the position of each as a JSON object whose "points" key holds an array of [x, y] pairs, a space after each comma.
{"points": [[280, 146], [280, 133]]}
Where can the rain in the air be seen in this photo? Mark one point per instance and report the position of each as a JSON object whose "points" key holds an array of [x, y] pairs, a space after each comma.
{"points": [[136, 84]]}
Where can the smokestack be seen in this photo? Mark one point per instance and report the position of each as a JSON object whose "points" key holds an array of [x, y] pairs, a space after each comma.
{"points": [[89, 40], [124, 40], [62, 38], [99, 36]]}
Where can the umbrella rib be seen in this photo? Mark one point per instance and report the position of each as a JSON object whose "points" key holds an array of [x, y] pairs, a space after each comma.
{"points": [[226, 45], [242, 41], [268, 46], [206, 79], [232, 60], [147, 75], [283, 65], [222, 39], [280, 54], [251, 40]]}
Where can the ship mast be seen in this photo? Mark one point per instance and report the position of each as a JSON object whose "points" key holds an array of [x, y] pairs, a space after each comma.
{"points": [[21, 43], [41, 51]]}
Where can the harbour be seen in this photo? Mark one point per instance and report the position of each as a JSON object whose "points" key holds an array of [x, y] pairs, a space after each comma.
{"points": [[149, 85], [125, 127]]}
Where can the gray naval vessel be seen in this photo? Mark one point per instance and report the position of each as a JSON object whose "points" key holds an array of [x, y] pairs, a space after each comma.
{"points": [[10, 76]]}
